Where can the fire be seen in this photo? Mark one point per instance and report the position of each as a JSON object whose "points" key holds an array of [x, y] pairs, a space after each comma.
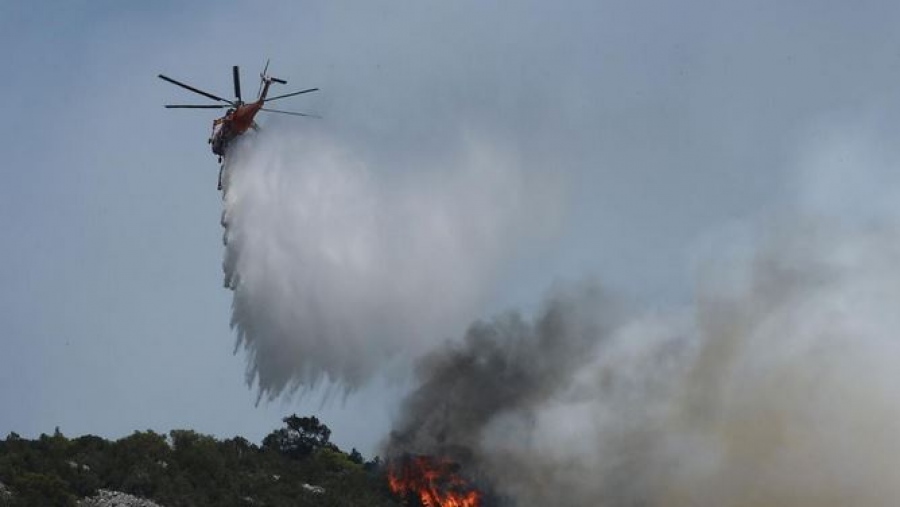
{"points": [[432, 481]]}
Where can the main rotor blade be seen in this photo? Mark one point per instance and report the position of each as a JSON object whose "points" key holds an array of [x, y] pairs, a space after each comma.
{"points": [[182, 106], [291, 113], [237, 83], [291, 94], [195, 90]]}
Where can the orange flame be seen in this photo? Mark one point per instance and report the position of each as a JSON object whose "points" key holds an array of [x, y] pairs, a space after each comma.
{"points": [[433, 481]]}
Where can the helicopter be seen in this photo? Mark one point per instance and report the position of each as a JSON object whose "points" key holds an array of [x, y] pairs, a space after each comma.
{"points": [[239, 117]]}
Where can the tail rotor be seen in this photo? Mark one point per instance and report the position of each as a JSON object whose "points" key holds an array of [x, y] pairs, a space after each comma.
{"points": [[262, 78]]}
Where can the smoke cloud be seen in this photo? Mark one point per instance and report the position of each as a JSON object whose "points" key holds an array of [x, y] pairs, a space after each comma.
{"points": [[780, 391], [339, 266], [777, 387], [503, 365]]}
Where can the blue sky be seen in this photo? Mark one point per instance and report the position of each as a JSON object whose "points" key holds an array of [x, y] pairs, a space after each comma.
{"points": [[668, 122]]}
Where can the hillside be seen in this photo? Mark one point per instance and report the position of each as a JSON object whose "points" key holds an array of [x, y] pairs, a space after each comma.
{"points": [[296, 465]]}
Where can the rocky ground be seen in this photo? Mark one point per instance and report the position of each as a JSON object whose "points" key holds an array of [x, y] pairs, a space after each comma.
{"points": [[103, 498], [106, 498]]}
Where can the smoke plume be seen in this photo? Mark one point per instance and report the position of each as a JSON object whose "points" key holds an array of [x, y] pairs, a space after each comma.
{"points": [[779, 390], [505, 365], [336, 269], [777, 387]]}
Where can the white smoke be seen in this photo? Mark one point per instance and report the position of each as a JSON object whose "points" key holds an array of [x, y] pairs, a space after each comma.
{"points": [[337, 265], [780, 392]]}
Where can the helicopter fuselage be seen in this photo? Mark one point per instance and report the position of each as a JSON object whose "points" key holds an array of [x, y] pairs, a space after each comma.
{"points": [[232, 125], [243, 115]]}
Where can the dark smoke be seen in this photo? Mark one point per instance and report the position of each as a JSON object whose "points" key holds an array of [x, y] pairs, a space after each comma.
{"points": [[507, 365], [506, 400]]}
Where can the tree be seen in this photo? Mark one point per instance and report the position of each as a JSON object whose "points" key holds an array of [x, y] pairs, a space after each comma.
{"points": [[40, 489], [302, 436], [132, 459]]}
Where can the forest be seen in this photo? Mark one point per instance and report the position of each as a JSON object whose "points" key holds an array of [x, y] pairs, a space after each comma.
{"points": [[295, 465]]}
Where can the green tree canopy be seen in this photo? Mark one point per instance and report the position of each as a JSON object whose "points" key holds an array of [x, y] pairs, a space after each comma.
{"points": [[300, 438]]}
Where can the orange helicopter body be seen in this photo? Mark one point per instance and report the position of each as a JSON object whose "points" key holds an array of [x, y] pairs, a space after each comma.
{"points": [[240, 116]]}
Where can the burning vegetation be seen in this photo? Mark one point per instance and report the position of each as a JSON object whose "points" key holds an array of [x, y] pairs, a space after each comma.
{"points": [[431, 482], [502, 368]]}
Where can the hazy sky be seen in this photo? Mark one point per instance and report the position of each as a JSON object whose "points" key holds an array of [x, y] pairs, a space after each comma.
{"points": [[666, 121]]}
